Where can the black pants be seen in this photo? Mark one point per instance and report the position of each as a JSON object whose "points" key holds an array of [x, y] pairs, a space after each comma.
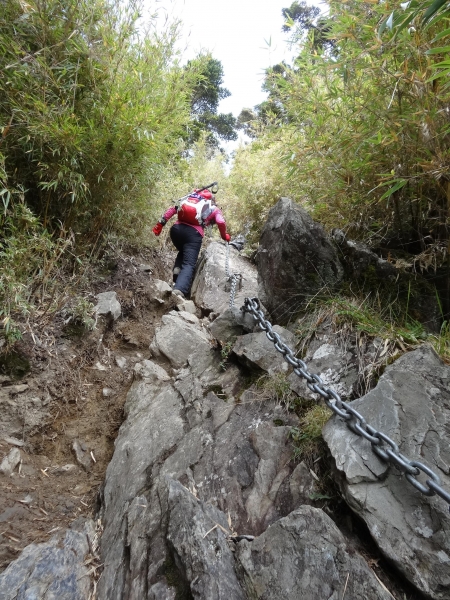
{"points": [[188, 242]]}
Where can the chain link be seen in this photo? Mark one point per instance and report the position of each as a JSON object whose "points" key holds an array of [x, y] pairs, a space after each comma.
{"points": [[382, 445], [234, 278]]}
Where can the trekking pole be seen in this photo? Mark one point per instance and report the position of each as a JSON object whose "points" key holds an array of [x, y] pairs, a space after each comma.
{"points": [[207, 187]]}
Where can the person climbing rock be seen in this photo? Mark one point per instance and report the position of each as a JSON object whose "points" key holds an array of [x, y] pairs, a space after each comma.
{"points": [[194, 212]]}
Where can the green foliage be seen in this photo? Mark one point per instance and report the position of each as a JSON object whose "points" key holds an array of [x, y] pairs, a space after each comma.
{"points": [[302, 19], [255, 183], [363, 140], [225, 352], [415, 16], [275, 387], [308, 436], [29, 258], [367, 317], [301, 15], [207, 93], [91, 111], [82, 312]]}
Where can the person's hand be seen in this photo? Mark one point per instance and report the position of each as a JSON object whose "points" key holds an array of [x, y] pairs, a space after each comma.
{"points": [[227, 237], [157, 228]]}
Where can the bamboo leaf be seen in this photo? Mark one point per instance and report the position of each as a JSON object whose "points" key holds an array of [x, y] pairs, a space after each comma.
{"points": [[444, 63], [439, 75], [433, 9], [440, 50], [441, 35], [397, 186]]}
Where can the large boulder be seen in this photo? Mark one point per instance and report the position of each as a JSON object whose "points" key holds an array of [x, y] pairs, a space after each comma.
{"points": [[305, 556], [178, 337], [411, 405], [58, 568], [257, 351], [211, 286], [295, 261]]}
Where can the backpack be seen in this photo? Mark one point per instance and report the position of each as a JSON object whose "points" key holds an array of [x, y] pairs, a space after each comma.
{"points": [[194, 210]]}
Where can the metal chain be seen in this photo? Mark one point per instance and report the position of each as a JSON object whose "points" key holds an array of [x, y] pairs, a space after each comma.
{"points": [[235, 278], [383, 446]]}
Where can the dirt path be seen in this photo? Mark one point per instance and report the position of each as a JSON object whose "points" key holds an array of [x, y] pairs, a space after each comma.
{"points": [[64, 413]]}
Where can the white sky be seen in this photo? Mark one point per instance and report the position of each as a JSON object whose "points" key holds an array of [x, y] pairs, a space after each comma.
{"points": [[237, 33]]}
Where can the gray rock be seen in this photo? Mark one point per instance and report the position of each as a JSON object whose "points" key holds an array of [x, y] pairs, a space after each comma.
{"points": [[305, 556], [183, 304], [360, 260], [121, 362], [150, 370], [108, 305], [295, 261], [196, 454], [161, 591], [68, 469], [10, 462], [336, 366], [22, 413], [275, 453], [213, 447], [411, 404], [145, 268], [177, 340], [14, 441], [159, 291], [82, 455], [231, 323], [187, 316], [211, 288], [54, 570], [256, 350], [197, 534], [245, 468]]}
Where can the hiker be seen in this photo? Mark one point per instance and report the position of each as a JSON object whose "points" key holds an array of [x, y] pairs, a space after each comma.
{"points": [[195, 212]]}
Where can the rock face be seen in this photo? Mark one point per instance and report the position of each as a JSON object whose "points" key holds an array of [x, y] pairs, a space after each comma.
{"points": [[295, 261], [411, 404], [199, 461], [211, 288], [196, 534], [305, 556]]}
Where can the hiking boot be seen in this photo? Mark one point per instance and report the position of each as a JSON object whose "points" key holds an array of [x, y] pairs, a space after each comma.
{"points": [[178, 293]]}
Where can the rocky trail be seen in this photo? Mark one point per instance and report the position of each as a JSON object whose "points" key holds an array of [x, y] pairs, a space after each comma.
{"points": [[145, 461]]}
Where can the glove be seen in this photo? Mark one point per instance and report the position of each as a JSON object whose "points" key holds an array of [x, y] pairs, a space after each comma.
{"points": [[157, 228], [227, 237]]}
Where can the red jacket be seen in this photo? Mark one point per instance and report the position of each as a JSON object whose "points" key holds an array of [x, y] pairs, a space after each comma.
{"points": [[216, 217]]}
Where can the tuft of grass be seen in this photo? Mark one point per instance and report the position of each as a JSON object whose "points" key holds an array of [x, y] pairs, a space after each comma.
{"points": [[399, 332], [275, 387], [307, 438], [225, 352]]}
